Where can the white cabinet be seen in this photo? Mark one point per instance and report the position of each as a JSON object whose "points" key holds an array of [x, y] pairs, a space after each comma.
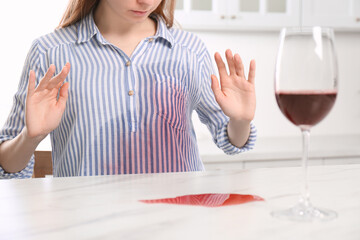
{"points": [[263, 14], [267, 14], [236, 14], [268, 163], [285, 152], [340, 14], [200, 14]]}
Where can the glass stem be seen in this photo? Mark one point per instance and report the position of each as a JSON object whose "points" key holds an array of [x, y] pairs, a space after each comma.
{"points": [[305, 195]]}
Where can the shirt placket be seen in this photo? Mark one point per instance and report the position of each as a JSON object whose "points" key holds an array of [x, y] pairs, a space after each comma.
{"points": [[133, 81], [131, 94]]}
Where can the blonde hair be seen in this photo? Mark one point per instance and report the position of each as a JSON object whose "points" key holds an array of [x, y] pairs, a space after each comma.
{"points": [[78, 9]]}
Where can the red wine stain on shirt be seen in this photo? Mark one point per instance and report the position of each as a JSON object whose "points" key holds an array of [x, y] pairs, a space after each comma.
{"points": [[208, 199]]}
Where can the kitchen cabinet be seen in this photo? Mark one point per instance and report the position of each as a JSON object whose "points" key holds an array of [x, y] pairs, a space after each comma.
{"points": [[284, 152], [275, 163], [236, 14], [267, 14], [200, 14], [262, 14], [339, 14]]}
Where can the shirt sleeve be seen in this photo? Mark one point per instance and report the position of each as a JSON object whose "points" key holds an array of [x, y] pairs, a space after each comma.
{"points": [[16, 119], [211, 114]]}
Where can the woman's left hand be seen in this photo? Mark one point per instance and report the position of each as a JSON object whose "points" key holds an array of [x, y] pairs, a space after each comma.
{"points": [[236, 96]]}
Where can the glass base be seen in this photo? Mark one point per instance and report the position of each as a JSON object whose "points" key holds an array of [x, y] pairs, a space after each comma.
{"points": [[305, 212]]}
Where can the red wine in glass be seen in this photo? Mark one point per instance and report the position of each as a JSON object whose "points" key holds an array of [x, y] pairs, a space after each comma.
{"points": [[305, 108]]}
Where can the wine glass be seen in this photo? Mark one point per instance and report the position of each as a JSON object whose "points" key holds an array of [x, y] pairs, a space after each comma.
{"points": [[306, 85]]}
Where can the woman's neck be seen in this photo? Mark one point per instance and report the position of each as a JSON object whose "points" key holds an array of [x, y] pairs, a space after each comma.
{"points": [[120, 31], [109, 22]]}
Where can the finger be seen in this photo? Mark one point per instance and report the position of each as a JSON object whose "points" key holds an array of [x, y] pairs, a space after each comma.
{"points": [[57, 81], [64, 94], [251, 77], [48, 75], [220, 65], [230, 61], [216, 87], [31, 85], [239, 66]]}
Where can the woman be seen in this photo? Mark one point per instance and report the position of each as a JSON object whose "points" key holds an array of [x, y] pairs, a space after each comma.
{"points": [[125, 106]]}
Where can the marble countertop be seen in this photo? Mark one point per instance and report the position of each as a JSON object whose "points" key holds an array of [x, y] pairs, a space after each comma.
{"points": [[108, 207]]}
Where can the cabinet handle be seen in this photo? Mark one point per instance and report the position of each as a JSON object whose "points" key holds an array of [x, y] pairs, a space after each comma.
{"points": [[231, 17], [357, 19]]}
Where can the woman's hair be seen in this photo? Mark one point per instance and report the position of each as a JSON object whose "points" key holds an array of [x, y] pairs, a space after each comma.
{"points": [[78, 9]]}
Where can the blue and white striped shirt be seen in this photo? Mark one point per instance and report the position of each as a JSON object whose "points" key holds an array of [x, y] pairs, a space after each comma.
{"points": [[125, 114]]}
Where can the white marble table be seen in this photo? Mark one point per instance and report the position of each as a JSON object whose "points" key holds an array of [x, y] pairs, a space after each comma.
{"points": [[107, 207]]}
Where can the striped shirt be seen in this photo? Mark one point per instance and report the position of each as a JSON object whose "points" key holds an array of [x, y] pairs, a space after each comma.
{"points": [[125, 114]]}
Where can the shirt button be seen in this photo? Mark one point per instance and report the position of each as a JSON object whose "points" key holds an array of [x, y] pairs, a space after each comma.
{"points": [[128, 63], [151, 39], [131, 92]]}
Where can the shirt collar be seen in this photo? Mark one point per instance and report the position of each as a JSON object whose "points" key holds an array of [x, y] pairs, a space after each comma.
{"points": [[87, 29], [162, 30]]}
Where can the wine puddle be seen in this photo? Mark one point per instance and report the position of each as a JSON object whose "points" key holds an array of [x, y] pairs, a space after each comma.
{"points": [[208, 199]]}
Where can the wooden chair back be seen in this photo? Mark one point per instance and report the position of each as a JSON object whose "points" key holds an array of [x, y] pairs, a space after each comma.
{"points": [[43, 164]]}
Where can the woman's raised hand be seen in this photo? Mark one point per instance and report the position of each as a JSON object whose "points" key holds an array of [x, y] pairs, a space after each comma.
{"points": [[44, 108], [236, 96]]}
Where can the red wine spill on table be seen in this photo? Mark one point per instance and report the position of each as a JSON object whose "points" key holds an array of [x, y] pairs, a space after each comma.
{"points": [[207, 199], [305, 108]]}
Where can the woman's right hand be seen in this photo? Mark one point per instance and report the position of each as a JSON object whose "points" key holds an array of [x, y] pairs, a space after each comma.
{"points": [[44, 109]]}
